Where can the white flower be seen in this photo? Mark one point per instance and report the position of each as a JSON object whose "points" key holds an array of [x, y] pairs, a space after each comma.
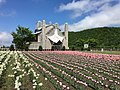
{"points": [[22, 70], [18, 88], [20, 76], [60, 83], [106, 85], [40, 84], [23, 74], [68, 88], [34, 80], [34, 87], [36, 77], [45, 78], [17, 78], [10, 75], [15, 72], [19, 83], [35, 84], [64, 86]]}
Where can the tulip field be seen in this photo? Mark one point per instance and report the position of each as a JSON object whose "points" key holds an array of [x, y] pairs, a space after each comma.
{"points": [[58, 70]]}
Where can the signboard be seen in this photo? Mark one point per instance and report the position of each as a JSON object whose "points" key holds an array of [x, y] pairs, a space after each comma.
{"points": [[85, 45], [102, 49]]}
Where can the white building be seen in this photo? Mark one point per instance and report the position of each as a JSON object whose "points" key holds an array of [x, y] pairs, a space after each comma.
{"points": [[50, 36]]}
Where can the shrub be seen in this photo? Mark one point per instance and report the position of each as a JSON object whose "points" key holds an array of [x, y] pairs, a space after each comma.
{"points": [[52, 49], [81, 48], [11, 48], [40, 48], [73, 48], [63, 48], [26, 48]]}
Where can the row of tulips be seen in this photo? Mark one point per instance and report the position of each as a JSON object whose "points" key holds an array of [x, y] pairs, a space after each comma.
{"points": [[48, 73], [69, 72], [103, 80], [3, 66], [3, 56], [18, 64], [4, 63], [53, 64], [64, 70], [109, 70], [89, 55], [65, 75], [18, 72], [31, 72], [116, 79]]}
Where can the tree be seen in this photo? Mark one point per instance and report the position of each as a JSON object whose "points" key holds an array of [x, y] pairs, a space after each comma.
{"points": [[22, 38], [3, 46], [80, 43], [11, 48], [92, 42]]}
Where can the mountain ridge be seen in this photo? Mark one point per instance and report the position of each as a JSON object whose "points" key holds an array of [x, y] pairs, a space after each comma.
{"points": [[106, 36]]}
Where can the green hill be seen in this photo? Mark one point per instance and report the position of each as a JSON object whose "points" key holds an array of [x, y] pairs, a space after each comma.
{"points": [[106, 36]]}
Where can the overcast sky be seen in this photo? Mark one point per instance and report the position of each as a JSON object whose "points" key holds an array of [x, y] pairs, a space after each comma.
{"points": [[80, 14]]}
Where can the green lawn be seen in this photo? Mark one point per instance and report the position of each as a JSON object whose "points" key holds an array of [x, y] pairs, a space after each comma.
{"points": [[107, 52]]}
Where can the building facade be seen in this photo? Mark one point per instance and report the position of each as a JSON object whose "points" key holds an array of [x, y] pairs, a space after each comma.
{"points": [[50, 36]]}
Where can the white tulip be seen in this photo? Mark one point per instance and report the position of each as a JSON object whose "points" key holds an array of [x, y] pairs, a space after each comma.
{"points": [[40, 84], [45, 78], [34, 87]]}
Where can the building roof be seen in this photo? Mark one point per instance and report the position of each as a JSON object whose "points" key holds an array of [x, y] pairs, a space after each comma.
{"points": [[37, 32], [52, 32], [55, 37]]}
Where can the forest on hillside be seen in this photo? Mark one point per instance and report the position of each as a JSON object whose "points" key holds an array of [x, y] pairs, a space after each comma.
{"points": [[102, 37]]}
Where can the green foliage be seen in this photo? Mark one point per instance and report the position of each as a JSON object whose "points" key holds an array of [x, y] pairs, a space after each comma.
{"points": [[40, 48], [31, 76], [22, 38], [92, 42], [80, 43], [73, 48], [11, 48], [105, 36]]}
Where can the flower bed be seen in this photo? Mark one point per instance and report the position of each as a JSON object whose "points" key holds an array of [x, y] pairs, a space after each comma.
{"points": [[59, 70]]}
